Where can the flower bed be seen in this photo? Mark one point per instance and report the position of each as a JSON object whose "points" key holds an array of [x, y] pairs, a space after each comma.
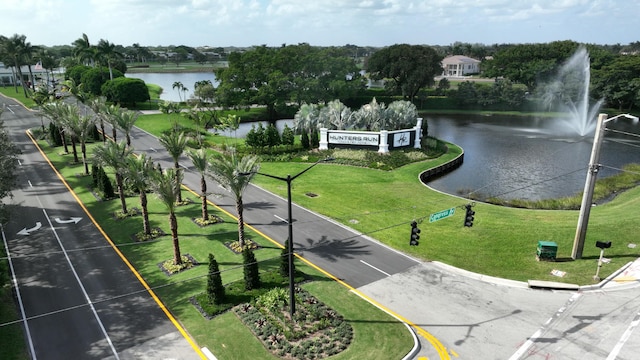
{"points": [[315, 332]]}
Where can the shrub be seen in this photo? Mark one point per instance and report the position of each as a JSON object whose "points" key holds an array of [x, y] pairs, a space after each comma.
{"points": [[284, 261], [287, 136], [215, 290], [54, 134], [251, 273], [304, 140]]}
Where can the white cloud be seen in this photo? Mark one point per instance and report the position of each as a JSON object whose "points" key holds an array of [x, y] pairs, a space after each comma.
{"points": [[319, 22]]}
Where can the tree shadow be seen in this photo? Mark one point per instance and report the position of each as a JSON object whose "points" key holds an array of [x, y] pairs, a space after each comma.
{"points": [[333, 250]]}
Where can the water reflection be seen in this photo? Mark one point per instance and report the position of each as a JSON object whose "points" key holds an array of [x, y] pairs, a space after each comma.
{"points": [[524, 158]]}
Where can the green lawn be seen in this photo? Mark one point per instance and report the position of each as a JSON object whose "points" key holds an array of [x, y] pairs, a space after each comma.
{"points": [[225, 336], [501, 243]]}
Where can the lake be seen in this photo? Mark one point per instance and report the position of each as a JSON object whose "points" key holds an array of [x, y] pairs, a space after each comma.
{"points": [[520, 158], [166, 80]]}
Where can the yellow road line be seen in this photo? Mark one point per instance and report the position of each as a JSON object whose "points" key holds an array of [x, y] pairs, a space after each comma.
{"points": [[124, 258], [437, 345]]}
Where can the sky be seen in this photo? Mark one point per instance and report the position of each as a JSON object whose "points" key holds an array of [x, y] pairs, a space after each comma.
{"points": [[321, 22]]}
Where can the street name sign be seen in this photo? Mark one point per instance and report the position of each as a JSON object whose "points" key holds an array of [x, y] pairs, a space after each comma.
{"points": [[442, 214]]}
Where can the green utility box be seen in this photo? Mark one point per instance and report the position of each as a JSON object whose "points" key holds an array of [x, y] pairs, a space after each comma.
{"points": [[546, 251]]}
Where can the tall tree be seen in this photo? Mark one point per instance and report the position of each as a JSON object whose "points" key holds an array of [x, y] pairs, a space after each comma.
{"points": [[200, 161], [125, 120], [114, 154], [8, 167], [16, 49], [83, 50], [164, 186], [138, 174], [99, 105], [175, 143], [179, 86], [54, 111], [107, 53], [79, 127], [234, 174], [407, 68]]}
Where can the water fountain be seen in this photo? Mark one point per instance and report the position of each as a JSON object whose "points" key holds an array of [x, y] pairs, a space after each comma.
{"points": [[569, 93]]}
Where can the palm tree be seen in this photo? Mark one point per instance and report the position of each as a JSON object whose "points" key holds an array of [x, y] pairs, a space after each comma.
{"points": [[201, 163], [13, 49], [125, 120], [42, 96], [306, 119], [76, 90], [175, 143], [337, 115], [66, 119], [234, 175], [54, 111], [114, 155], [106, 51], [98, 105], [112, 112], [83, 50], [164, 186], [80, 128], [139, 171], [178, 85]]}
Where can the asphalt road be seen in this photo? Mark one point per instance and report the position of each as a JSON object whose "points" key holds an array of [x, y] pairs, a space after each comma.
{"points": [[79, 298]]}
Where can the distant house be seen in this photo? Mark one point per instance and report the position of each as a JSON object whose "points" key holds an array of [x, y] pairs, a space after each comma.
{"points": [[460, 65]]}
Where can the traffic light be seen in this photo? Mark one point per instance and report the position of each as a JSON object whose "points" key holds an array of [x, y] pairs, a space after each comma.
{"points": [[415, 234], [468, 216]]}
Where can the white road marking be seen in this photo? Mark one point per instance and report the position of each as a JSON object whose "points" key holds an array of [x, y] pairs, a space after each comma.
{"points": [[84, 291], [527, 344], [17, 288], [281, 219], [627, 334], [72, 220], [375, 268], [26, 231]]}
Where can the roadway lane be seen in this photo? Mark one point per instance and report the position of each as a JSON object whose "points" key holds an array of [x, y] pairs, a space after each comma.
{"points": [[354, 258], [80, 299]]}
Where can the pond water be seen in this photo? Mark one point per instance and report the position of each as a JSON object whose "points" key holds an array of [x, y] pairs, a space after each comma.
{"points": [[520, 158], [166, 80]]}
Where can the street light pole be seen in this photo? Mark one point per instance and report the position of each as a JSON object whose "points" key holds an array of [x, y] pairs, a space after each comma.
{"points": [[288, 180], [292, 299], [592, 172]]}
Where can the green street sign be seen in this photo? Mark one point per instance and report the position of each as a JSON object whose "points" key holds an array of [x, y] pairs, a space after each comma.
{"points": [[442, 214]]}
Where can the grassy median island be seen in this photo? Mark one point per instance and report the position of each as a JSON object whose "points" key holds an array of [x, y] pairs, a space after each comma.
{"points": [[376, 335]]}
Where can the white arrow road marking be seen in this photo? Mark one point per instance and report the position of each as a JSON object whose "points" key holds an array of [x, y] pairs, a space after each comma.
{"points": [[72, 220], [26, 231]]}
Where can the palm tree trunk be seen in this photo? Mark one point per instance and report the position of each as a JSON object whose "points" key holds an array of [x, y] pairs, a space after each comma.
{"points": [[104, 135], [75, 151], [177, 259], [121, 192], [64, 141], [83, 148], [239, 209], [113, 132], [178, 184], [203, 191], [145, 212]]}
